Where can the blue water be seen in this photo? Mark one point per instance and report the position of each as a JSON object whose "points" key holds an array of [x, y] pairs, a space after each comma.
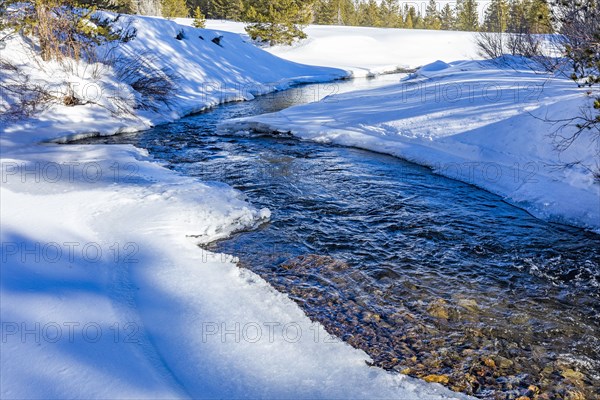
{"points": [[426, 274]]}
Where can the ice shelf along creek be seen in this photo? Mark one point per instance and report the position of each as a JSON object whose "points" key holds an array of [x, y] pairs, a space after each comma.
{"points": [[431, 277]]}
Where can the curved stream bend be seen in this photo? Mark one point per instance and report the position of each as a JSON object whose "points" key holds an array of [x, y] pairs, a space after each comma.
{"points": [[430, 276]]}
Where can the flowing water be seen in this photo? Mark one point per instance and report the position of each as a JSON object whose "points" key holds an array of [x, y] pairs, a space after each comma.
{"points": [[431, 277]]}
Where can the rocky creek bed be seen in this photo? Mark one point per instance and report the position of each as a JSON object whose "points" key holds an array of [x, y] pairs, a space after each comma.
{"points": [[431, 277]]}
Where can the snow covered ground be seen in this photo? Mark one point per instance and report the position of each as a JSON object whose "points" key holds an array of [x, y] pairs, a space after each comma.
{"points": [[205, 74], [104, 291], [106, 295], [474, 121], [366, 51]]}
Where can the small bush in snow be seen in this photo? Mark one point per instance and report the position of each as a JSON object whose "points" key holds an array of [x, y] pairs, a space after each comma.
{"points": [[61, 28], [199, 18], [154, 85], [20, 96]]}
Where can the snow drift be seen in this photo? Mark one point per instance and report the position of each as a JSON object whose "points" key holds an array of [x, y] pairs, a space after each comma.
{"points": [[474, 121]]}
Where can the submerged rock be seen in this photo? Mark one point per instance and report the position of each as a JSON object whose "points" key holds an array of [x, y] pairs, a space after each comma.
{"points": [[572, 375], [313, 261], [437, 379], [439, 309], [469, 305]]}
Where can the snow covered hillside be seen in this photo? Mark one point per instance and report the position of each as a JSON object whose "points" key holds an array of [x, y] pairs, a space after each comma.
{"points": [[104, 291], [366, 51], [472, 121], [208, 67]]}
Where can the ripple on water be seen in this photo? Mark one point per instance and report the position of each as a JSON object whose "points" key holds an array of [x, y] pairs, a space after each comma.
{"points": [[431, 277]]}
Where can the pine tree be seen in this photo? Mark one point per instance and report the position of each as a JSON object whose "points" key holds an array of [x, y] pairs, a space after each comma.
{"points": [[417, 19], [448, 20], [432, 16], [199, 19], [279, 22], [226, 9], [348, 13], [369, 14], [466, 15], [390, 13], [496, 16], [518, 15], [325, 12], [218, 9], [410, 17], [119, 6], [174, 9], [62, 28], [418, 22], [539, 17]]}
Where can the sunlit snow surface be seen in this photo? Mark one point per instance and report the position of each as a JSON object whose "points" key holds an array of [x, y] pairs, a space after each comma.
{"points": [[365, 51], [105, 293], [486, 124]]}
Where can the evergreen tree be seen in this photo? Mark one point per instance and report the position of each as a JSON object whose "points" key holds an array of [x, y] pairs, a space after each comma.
{"points": [[226, 9], [325, 12], [341, 11], [448, 20], [539, 17], [199, 19], [400, 23], [174, 9], [62, 28], [369, 14], [408, 22], [418, 21], [432, 16], [119, 6], [466, 15], [410, 17], [219, 8], [390, 13], [496, 16], [518, 15], [348, 13], [278, 22], [234, 10]]}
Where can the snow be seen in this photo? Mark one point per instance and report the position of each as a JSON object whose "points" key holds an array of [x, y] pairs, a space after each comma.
{"points": [[473, 121], [104, 290], [205, 74], [364, 51]]}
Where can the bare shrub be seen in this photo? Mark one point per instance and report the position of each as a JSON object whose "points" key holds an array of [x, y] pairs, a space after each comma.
{"points": [[62, 28], [490, 44], [154, 84], [19, 95], [496, 44], [578, 22], [524, 44], [86, 44]]}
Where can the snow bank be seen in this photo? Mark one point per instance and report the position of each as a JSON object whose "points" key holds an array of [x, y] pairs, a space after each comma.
{"points": [[106, 295], [471, 121], [205, 73], [104, 291], [364, 51]]}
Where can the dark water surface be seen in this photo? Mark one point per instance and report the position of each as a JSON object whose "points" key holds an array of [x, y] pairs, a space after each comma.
{"points": [[430, 276]]}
